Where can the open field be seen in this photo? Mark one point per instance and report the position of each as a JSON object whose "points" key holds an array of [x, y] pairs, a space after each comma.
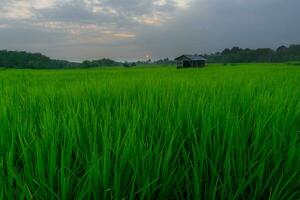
{"points": [[221, 132]]}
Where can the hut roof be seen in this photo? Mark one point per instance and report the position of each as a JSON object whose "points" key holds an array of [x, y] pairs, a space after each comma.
{"points": [[191, 58]]}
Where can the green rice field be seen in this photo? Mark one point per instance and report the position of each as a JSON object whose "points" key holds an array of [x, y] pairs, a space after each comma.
{"points": [[219, 132]]}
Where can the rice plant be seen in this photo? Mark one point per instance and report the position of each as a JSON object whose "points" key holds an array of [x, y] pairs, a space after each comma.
{"points": [[219, 132]]}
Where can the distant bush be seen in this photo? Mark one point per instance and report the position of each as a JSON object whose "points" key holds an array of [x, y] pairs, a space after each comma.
{"points": [[126, 64], [230, 64], [105, 62], [294, 63]]}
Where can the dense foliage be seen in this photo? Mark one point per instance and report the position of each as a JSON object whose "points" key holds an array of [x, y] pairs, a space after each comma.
{"points": [[16, 59], [239, 55], [21, 59], [129, 64], [153, 133], [105, 62], [165, 61]]}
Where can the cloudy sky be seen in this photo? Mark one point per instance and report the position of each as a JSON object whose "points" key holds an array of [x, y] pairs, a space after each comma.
{"points": [[131, 29]]}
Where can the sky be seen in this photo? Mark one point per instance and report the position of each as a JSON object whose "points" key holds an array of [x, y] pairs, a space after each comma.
{"points": [[77, 30]]}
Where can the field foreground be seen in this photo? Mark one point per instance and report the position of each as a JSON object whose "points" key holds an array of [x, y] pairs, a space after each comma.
{"points": [[221, 132]]}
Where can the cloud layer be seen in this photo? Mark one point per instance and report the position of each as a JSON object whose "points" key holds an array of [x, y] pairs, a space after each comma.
{"points": [[78, 29]]}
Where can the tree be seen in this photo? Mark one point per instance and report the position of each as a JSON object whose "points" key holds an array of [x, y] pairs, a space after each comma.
{"points": [[281, 49]]}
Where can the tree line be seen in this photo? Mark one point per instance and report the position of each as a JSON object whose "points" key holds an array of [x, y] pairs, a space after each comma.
{"points": [[22, 59], [240, 55], [105, 62]]}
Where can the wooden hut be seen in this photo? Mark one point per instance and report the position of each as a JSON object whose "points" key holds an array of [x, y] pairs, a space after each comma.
{"points": [[186, 61]]}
